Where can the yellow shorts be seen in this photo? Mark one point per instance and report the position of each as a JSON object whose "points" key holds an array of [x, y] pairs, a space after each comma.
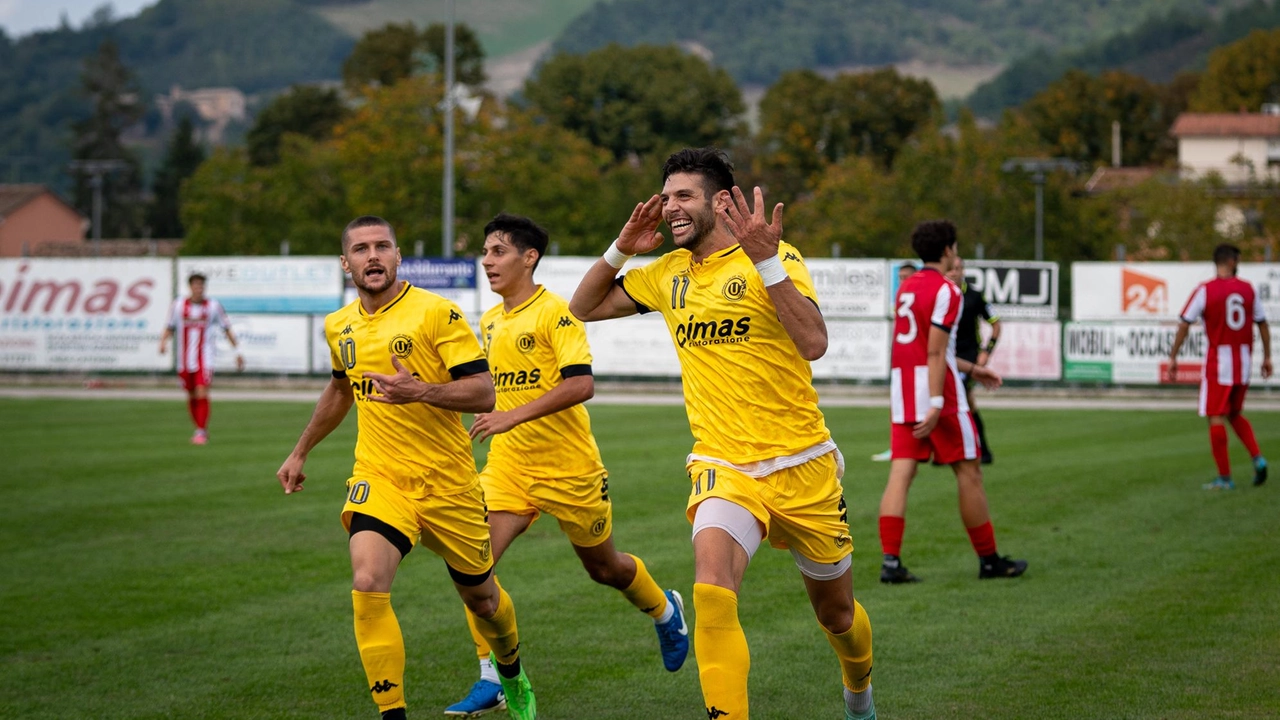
{"points": [[581, 505], [800, 507], [455, 527]]}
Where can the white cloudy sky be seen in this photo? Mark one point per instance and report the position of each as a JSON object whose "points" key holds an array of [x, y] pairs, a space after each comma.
{"points": [[21, 17]]}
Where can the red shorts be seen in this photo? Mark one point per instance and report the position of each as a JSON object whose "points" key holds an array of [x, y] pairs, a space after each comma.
{"points": [[953, 439], [192, 379], [1216, 400]]}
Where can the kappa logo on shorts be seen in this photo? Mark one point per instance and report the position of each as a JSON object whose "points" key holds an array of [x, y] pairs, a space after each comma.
{"points": [[485, 549], [526, 343], [401, 346], [841, 540], [597, 528], [735, 288]]}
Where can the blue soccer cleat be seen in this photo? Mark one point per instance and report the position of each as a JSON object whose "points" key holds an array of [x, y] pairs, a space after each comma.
{"points": [[1220, 483], [485, 697], [673, 635], [1259, 470]]}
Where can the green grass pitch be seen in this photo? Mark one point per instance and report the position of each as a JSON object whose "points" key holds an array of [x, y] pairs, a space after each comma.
{"points": [[143, 577]]}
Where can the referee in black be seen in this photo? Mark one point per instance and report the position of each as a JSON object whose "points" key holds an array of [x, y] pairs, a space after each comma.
{"points": [[969, 344]]}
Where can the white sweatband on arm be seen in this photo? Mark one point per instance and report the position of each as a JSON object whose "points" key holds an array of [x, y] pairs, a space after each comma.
{"points": [[935, 402], [615, 257], [771, 271]]}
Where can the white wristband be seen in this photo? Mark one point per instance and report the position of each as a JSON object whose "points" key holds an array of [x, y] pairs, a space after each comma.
{"points": [[615, 257], [771, 271], [935, 402]]}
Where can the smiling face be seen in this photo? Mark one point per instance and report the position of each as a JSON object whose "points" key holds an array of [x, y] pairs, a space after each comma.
{"points": [[689, 211], [371, 256], [508, 268]]}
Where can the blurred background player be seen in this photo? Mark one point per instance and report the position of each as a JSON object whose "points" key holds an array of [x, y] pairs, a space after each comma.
{"points": [[414, 365], [191, 322], [905, 270], [544, 458], [742, 311], [929, 413], [1230, 308], [969, 345]]}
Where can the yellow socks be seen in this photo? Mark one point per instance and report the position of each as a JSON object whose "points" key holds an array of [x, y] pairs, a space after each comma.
{"points": [[500, 631], [482, 645], [381, 647], [721, 648], [644, 593], [853, 647]]}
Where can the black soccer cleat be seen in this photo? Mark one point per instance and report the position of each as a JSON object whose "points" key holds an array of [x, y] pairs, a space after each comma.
{"points": [[893, 572], [393, 714], [1259, 471], [995, 566]]}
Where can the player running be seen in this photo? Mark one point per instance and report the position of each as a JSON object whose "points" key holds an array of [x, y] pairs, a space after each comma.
{"points": [[543, 457], [413, 364], [1230, 308], [929, 413], [741, 309], [191, 322]]}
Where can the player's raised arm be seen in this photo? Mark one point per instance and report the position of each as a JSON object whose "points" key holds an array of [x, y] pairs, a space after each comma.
{"points": [[597, 296], [331, 408], [760, 240]]}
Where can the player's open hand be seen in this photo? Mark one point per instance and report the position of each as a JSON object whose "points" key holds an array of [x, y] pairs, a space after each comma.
{"points": [[988, 377], [640, 235], [492, 423], [926, 426], [759, 238], [397, 389], [1172, 372], [290, 474]]}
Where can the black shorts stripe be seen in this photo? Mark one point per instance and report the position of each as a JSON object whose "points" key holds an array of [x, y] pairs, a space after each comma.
{"points": [[475, 367], [466, 580], [362, 523], [640, 307], [569, 371]]}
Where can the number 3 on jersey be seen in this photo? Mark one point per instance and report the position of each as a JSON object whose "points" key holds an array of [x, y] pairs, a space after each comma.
{"points": [[905, 301]]}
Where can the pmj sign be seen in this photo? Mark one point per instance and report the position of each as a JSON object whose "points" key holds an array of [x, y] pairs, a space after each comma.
{"points": [[1021, 289]]}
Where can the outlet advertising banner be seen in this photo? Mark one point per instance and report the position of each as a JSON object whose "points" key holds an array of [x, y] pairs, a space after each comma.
{"points": [[268, 284], [269, 343], [93, 314], [1131, 353]]}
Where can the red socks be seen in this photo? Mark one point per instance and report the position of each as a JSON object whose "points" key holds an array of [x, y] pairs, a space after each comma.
{"points": [[891, 534], [1245, 431], [200, 412], [983, 538], [1218, 441]]}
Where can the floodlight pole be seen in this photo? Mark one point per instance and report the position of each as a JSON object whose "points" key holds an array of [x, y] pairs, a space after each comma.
{"points": [[447, 236], [96, 169], [1038, 167]]}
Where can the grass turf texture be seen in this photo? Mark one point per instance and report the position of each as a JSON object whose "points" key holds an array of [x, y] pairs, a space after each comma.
{"points": [[147, 578]]}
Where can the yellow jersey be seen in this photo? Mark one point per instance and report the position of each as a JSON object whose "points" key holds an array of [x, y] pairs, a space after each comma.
{"points": [[748, 393], [416, 446], [531, 349]]}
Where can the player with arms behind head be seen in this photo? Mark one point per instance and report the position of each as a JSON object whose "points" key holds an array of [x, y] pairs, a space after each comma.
{"points": [[1230, 308], [191, 322], [410, 363], [741, 308], [929, 413], [543, 457]]}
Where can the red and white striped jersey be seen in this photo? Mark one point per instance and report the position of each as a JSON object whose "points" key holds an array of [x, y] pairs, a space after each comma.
{"points": [[193, 324], [925, 300], [1229, 307]]}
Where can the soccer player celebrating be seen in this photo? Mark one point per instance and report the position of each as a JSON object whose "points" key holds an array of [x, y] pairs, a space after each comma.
{"points": [[411, 360], [1230, 308], [930, 416], [969, 345], [741, 308], [191, 322], [543, 457]]}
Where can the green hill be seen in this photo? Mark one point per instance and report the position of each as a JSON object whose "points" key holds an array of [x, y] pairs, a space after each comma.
{"points": [[756, 40], [1158, 49]]}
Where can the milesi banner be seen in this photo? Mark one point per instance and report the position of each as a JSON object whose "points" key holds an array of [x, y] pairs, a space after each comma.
{"points": [[1016, 289]]}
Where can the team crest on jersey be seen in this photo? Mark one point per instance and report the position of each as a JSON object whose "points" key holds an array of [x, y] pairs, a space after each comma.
{"points": [[401, 346], [597, 528], [735, 288], [484, 551], [526, 343]]}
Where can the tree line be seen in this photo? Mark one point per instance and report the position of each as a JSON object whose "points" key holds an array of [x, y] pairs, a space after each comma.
{"points": [[857, 157]]}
